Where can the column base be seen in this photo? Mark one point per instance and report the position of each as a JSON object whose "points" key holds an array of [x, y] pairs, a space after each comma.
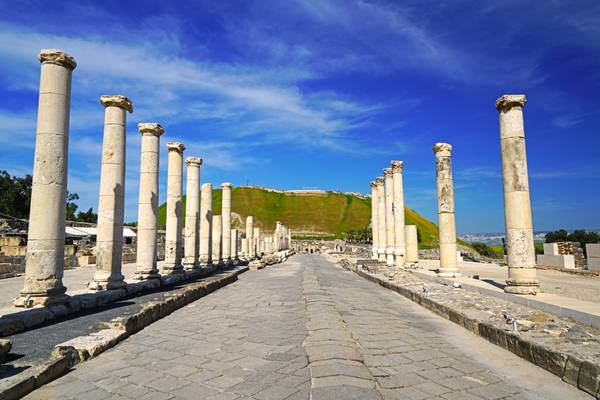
{"points": [[107, 285], [176, 269], [522, 286], [381, 257], [31, 300], [389, 260], [191, 266], [145, 275], [448, 273]]}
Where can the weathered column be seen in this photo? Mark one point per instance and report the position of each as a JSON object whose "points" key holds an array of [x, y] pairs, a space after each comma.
{"points": [[148, 201], [234, 244], [226, 220], [217, 240], [192, 214], [206, 220], [46, 237], [382, 234], [412, 244], [517, 205], [256, 236], [374, 218], [250, 237], [245, 251], [174, 221], [447, 226], [399, 240], [389, 216], [111, 205]]}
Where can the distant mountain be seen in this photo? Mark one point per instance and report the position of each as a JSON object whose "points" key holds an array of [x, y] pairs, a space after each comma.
{"points": [[496, 237]]}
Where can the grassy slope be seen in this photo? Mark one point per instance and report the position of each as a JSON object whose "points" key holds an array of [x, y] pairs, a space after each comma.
{"points": [[330, 214]]}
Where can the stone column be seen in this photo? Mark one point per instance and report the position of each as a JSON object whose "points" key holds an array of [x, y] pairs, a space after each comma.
{"points": [[517, 205], [245, 248], [447, 226], [217, 240], [226, 220], [173, 238], [250, 237], [374, 225], [256, 236], [399, 240], [234, 244], [206, 220], [148, 201], [46, 237], [111, 205], [382, 234], [389, 216], [192, 214], [412, 244]]}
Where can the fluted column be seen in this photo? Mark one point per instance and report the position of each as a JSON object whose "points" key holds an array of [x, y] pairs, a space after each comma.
{"points": [[234, 244], [520, 248], [389, 216], [382, 234], [412, 244], [447, 225], [226, 220], [250, 237], [192, 214], [148, 201], [46, 237], [206, 219], [111, 205], [399, 239], [173, 239], [217, 240], [374, 220]]}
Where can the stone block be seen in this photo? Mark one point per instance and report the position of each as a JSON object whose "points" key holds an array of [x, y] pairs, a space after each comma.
{"points": [[564, 262], [551, 249], [593, 250], [593, 264], [14, 250], [12, 241], [86, 260]]}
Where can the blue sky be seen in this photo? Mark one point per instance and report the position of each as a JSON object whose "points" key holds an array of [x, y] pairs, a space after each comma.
{"points": [[323, 93]]}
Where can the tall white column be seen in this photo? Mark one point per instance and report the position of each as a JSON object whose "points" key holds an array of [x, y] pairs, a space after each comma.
{"points": [[111, 205], [217, 240], [226, 220], [173, 239], [206, 219], [234, 244], [374, 220], [412, 244], [192, 214], [520, 248], [389, 216], [250, 237], [382, 233], [46, 237], [257, 238], [399, 239], [245, 251], [148, 201], [447, 225]]}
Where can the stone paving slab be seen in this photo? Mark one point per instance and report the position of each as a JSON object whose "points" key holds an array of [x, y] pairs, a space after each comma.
{"points": [[245, 341]]}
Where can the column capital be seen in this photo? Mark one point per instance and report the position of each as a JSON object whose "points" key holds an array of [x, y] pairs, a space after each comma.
{"points": [[117, 101], [249, 218], [379, 181], [206, 186], [442, 147], [58, 57], [151, 128], [508, 101], [193, 161], [387, 172], [176, 146], [397, 165], [226, 185], [372, 184]]}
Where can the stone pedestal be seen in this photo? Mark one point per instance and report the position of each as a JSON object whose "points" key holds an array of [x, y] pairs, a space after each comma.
{"points": [[217, 240], [389, 216], [148, 202], [374, 220], [381, 230], [226, 220], [173, 238], [206, 219], [399, 240], [517, 206], [447, 225], [46, 236], [191, 258], [111, 205], [250, 237], [412, 244]]}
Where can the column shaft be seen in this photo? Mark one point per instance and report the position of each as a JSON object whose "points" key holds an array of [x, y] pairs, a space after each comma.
{"points": [[245, 247], [46, 236], [217, 240], [389, 216], [234, 244], [226, 220], [412, 244], [173, 238], [382, 234], [399, 239], [374, 220], [256, 243], [192, 214], [250, 237], [517, 204], [206, 218]]}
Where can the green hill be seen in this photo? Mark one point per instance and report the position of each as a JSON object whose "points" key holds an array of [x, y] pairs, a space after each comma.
{"points": [[325, 215]]}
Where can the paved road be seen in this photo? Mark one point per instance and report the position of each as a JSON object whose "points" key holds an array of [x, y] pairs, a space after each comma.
{"points": [[267, 335]]}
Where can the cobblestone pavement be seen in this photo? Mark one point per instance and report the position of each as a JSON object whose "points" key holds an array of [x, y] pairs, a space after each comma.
{"points": [[266, 335]]}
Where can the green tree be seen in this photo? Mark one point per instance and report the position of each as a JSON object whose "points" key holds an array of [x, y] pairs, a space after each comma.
{"points": [[71, 206], [15, 195], [557, 236], [88, 216]]}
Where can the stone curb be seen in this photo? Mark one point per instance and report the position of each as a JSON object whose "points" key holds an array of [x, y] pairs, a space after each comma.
{"points": [[582, 374], [68, 354]]}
